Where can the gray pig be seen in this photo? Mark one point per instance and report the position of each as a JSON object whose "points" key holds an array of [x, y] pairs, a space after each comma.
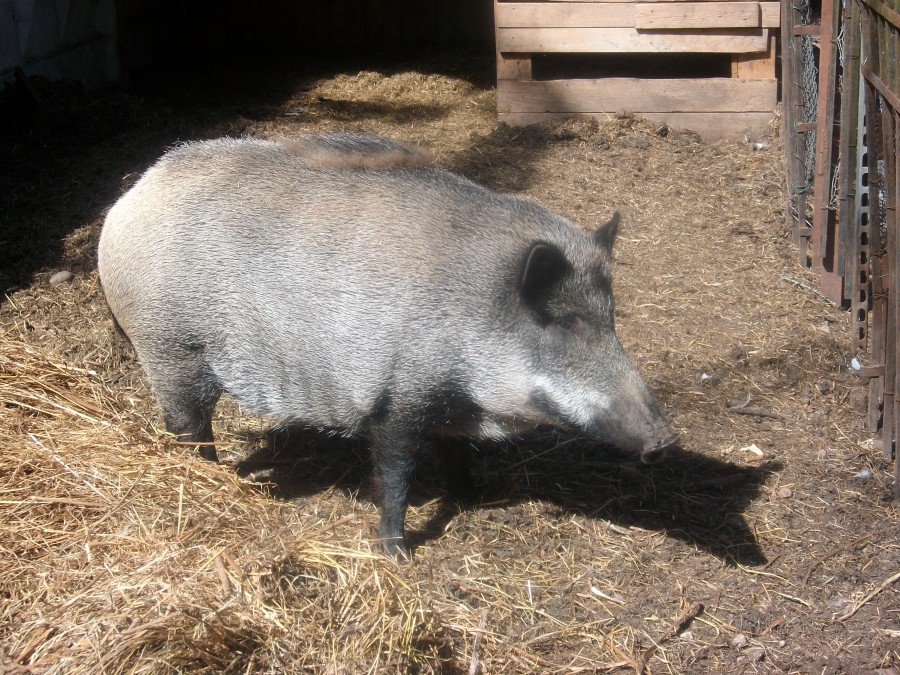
{"points": [[398, 302]]}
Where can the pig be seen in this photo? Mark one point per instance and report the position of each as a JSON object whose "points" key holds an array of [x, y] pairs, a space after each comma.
{"points": [[373, 293], [355, 151]]}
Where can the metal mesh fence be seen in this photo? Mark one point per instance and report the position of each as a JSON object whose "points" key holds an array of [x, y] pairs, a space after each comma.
{"points": [[809, 84]]}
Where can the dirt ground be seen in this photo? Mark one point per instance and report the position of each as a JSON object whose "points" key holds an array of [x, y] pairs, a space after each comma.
{"points": [[768, 544]]}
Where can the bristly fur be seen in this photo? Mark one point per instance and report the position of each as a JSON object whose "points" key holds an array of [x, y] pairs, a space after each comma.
{"points": [[340, 283]]}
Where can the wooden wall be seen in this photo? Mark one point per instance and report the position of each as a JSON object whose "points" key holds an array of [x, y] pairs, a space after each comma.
{"points": [[645, 36], [149, 29]]}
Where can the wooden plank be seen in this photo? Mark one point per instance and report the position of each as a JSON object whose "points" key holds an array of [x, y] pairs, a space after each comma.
{"points": [[852, 219], [503, 2], [825, 250], [626, 14], [513, 66], [755, 66], [604, 40], [510, 66], [712, 126], [879, 266], [882, 87], [564, 15], [892, 156], [770, 14], [889, 129], [637, 95], [890, 14], [659, 16], [794, 214]]}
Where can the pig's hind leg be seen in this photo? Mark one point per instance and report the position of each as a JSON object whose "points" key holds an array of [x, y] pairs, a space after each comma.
{"points": [[187, 392]]}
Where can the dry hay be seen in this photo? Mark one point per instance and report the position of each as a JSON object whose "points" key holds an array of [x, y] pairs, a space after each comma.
{"points": [[766, 545]]}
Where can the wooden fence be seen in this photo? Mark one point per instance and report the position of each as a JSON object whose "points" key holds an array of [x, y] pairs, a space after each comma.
{"points": [[844, 177]]}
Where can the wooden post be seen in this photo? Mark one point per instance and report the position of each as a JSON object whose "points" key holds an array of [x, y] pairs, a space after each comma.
{"points": [[825, 249]]}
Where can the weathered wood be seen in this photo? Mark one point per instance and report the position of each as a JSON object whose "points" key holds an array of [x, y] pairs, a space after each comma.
{"points": [[681, 15], [793, 118], [599, 40], [879, 271], [503, 2], [893, 253], [565, 15], [755, 66], [888, 13], [720, 107], [712, 126], [852, 214], [513, 66], [637, 95], [889, 129], [771, 14], [881, 86], [825, 249], [648, 15]]}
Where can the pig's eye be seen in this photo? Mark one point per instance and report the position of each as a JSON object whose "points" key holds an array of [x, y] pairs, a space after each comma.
{"points": [[573, 323]]}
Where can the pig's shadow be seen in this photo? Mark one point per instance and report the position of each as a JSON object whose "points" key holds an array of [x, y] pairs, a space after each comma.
{"points": [[689, 496]]}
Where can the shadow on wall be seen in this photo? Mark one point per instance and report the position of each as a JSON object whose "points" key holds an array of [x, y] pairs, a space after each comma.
{"points": [[690, 497]]}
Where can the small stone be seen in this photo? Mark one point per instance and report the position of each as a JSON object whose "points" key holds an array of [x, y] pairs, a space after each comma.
{"points": [[739, 641], [61, 278], [756, 654], [785, 493], [782, 643]]}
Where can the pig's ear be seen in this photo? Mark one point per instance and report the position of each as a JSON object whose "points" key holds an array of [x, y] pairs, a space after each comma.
{"points": [[545, 266], [605, 235]]}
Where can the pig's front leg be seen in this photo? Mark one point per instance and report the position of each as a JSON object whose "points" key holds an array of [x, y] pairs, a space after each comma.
{"points": [[394, 445]]}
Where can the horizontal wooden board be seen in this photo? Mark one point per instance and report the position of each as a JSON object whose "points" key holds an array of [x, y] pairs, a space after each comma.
{"points": [[659, 16], [557, 40], [565, 15], [635, 2], [711, 126], [650, 15], [513, 66], [771, 14], [755, 66], [504, 2], [637, 95]]}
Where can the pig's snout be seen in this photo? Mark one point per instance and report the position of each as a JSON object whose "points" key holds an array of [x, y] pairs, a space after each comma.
{"points": [[657, 446], [635, 421]]}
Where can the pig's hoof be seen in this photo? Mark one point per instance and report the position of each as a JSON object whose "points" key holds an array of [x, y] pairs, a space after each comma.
{"points": [[396, 548], [208, 452]]}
